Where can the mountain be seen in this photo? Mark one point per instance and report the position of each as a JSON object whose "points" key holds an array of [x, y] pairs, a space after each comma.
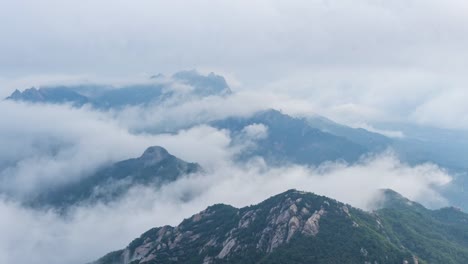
{"points": [[299, 227], [155, 167], [157, 89], [372, 141], [204, 85], [292, 140], [58, 95], [420, 144], [443, 146], [437, 236]]}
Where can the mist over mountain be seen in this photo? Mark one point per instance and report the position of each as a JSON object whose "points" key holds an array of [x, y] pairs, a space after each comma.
{"points": [[293, 140], [271, 135], [372, 141], [154, 167], [121, 118], [247, 154], [156, 90]]}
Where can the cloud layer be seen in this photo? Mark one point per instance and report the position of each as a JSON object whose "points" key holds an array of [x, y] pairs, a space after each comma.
{"points": [[89, 232], [48, 145], [268, 35], [358, 62], [355, 61]]}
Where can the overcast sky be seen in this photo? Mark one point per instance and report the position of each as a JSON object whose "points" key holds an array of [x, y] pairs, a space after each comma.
{"points": [[254, 40], [358, 61]]}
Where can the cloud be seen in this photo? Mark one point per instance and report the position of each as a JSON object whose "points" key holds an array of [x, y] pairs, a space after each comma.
{"points": [[89, 232], [446, 109], [357, 62], [145, 36], [47, 145], [255, 131], [353, 61], [387, 133], [175, 114], [355, 96]]}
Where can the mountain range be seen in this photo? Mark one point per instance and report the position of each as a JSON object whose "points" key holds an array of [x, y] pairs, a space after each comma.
{"points": [[155, 90], [292, 140], [300, 227], [292, 227], [309, 140]]}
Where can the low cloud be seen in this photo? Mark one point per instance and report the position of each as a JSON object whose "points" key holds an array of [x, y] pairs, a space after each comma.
{"points": [[356, 62], [387, 133], [256, 131], [47, 145], [90, 232], [176, 114]]}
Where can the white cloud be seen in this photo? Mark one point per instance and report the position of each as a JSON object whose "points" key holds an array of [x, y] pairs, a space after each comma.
{"points": [[356, 62], [256, 131], [173, 115], [447, 109], [47, 145], [387, 133], [253, 39], [90, 232]]}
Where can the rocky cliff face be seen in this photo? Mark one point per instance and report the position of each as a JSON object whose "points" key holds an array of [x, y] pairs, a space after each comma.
{"points": [[265, 232]]}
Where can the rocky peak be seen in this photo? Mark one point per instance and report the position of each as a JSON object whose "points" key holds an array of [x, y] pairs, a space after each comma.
{"points": [[319, 229], [224, 231], [294, 212]]}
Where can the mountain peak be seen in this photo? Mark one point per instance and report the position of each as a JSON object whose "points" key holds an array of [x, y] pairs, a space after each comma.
{"points": [[27, 95], [392, 199], [391, 194], [204, 84], [155, 167], [155, 154], [16, 93], [293, 194], [270, 113], [291, 227]]}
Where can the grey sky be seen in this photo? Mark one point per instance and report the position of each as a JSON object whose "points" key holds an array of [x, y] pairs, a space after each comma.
{"points": [[355, 61], [251, 39]]}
